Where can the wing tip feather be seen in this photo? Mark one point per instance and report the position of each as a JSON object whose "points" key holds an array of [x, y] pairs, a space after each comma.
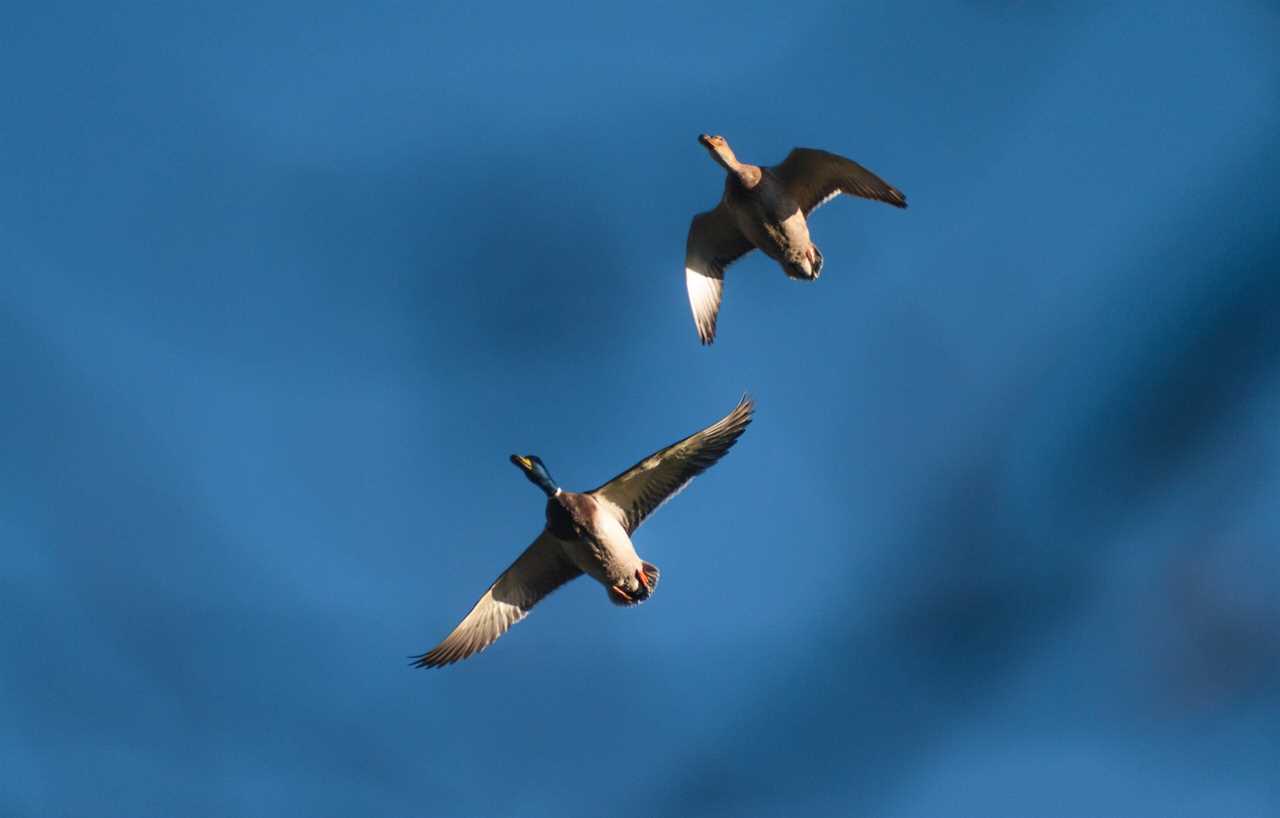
{"points": [[705, 290], [430, 659]]}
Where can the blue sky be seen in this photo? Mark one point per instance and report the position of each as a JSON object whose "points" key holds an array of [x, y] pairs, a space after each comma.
{"points": [[285, 284]]}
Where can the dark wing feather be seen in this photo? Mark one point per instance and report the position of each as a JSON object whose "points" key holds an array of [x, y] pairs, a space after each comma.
{"points": [[542, 568], [714, 243], [813, 177], [637, 492]]}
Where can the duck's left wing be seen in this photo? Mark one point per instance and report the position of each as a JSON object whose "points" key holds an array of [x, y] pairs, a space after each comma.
{"points": [[814, 177], [637, 492], [713, 244], [542, 568]]}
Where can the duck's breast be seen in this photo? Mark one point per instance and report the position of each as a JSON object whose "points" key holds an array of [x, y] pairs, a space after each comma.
{"points": [[594, 539], [770, 219], [620, 556]]}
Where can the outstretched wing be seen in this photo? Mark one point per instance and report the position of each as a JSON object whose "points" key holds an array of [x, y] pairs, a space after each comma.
{"points": [[813, 177], [637, 492], [714, 243], [542, 568]]}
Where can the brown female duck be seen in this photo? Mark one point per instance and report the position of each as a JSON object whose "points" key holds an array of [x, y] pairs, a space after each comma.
{"points": [[767, 208]]}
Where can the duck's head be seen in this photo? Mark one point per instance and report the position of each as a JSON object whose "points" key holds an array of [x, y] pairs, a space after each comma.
{"points": [[720, 151], [536, 471]]}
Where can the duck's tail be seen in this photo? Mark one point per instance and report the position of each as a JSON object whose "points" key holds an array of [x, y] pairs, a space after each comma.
{"points": [[806, 268], [652, 574], [628, 598]]}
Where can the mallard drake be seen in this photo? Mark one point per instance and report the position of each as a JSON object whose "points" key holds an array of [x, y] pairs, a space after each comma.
{"points": [[589, 533], [767, 208]]}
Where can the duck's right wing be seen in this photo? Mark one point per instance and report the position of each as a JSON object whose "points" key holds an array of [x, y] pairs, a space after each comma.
{"points": [[640, 490], [542, 568], [813, 177], [714, 243]]}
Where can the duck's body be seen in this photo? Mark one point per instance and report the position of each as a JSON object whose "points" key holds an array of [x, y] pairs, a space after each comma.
{"points": [[767, 208], [767, 216], [598, 545], [589, 533]]}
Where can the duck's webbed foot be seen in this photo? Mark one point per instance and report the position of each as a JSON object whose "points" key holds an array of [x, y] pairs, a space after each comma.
{"points": [[620, 597], [815, 260]]}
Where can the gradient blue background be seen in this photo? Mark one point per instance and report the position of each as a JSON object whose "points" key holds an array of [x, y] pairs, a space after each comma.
{"points": [[283, 287]]}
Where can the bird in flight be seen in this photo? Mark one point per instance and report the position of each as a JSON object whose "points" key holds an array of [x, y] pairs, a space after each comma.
{"points": [[767, 208], [589, 533]]}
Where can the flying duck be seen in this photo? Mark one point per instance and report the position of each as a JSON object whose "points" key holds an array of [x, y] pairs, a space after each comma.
{"points": [[767, 208], [589, 533]]}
